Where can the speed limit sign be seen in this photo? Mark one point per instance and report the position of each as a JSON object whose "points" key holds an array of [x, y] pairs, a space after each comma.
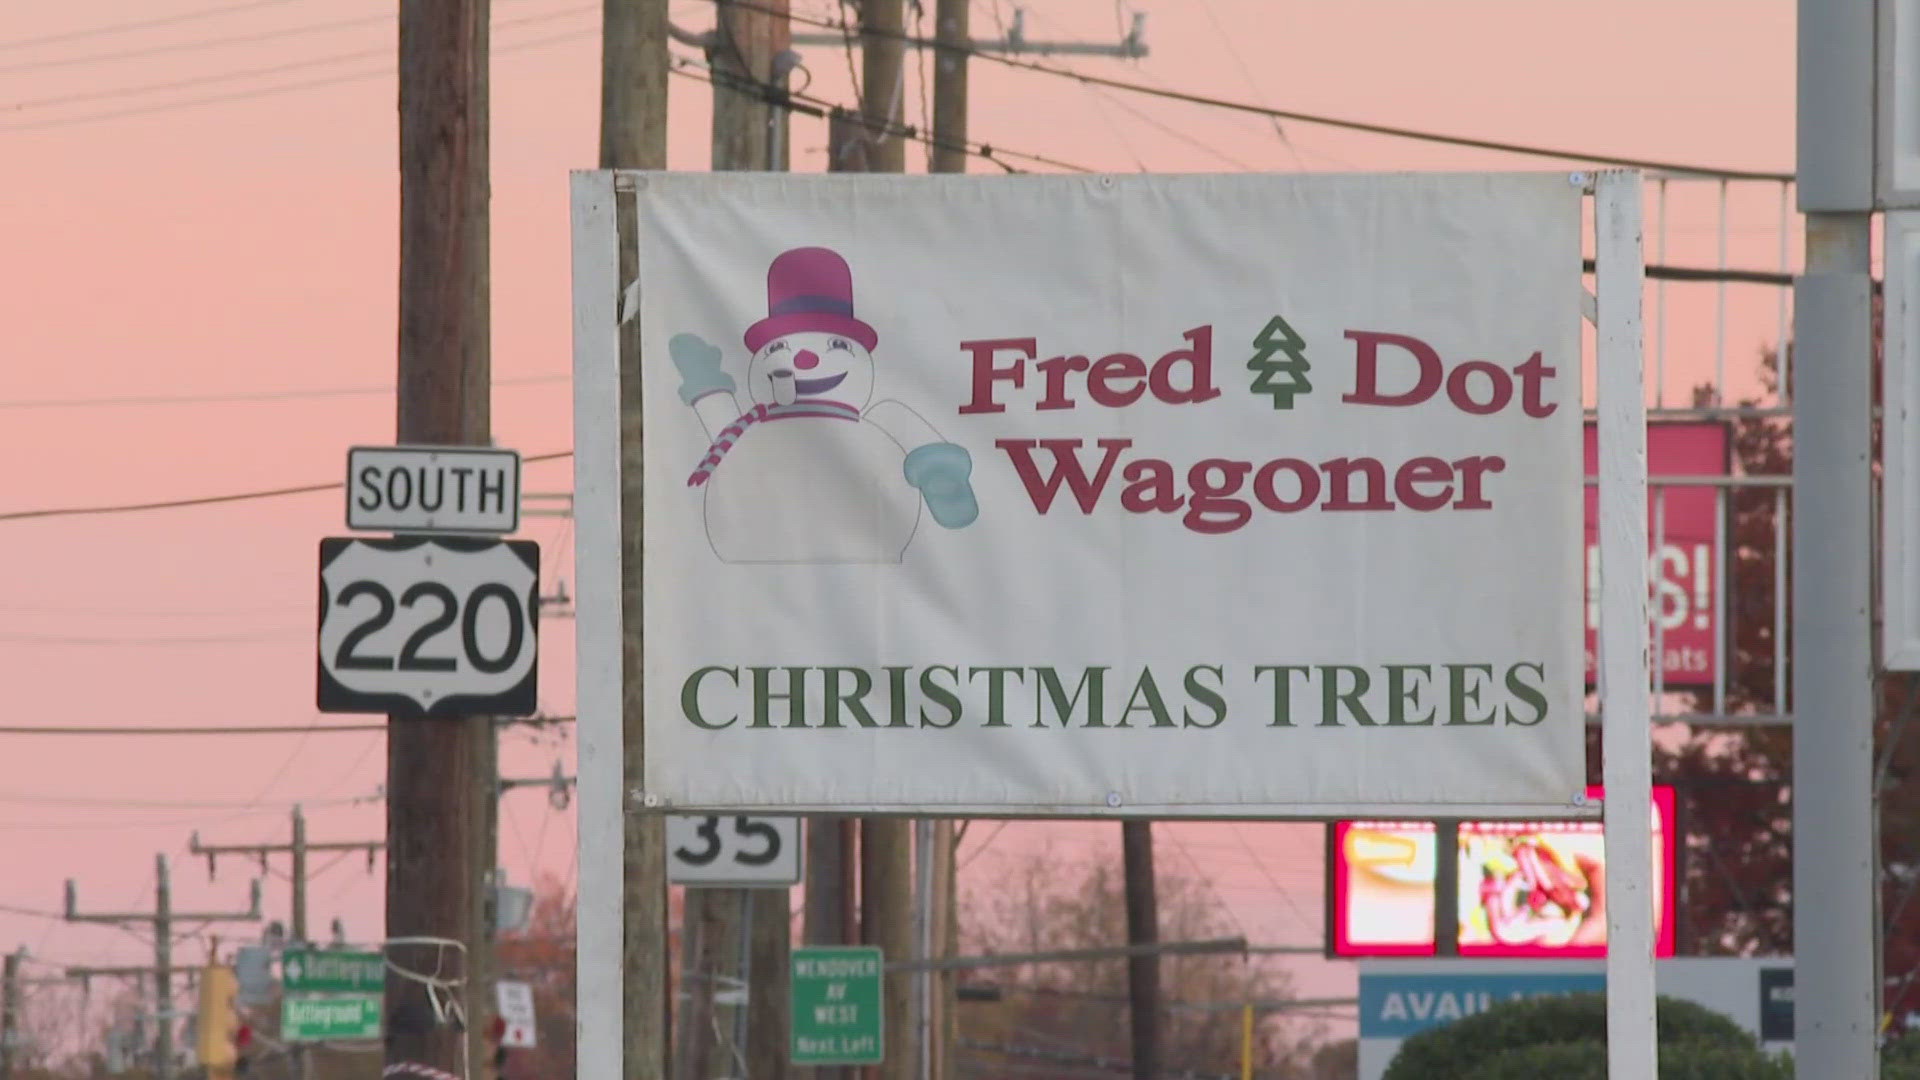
{"points": [[733, 851], [429, 626]]}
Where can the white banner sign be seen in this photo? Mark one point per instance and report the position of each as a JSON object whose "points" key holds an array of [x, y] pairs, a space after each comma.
{"points": [[1081, 496]]}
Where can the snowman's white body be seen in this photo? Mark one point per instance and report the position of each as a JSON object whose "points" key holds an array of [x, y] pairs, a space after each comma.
{"points": [[811, 489]]}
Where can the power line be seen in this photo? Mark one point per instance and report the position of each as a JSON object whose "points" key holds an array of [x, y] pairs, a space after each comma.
{"points": [[82, 803], [244, 395], [1393, 131], [191, 46], [205, 43], [151, 641], [259, 729], [821, 108], [211, 500], [129, 729], [264, 91], [122, 28], [251, 73]]}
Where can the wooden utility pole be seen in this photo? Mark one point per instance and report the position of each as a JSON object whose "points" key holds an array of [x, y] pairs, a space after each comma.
{"points": [[440, 805], [952, 43], [10, 1012], [832, 907], [633, 135], [883, 85], [886, 844], [1143, 928], [297, 850], [751, 55], [161, 919], [731, 933], [832, 914]]}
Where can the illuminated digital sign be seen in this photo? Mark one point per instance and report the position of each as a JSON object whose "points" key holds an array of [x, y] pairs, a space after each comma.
{"points": [[1527, 888]]}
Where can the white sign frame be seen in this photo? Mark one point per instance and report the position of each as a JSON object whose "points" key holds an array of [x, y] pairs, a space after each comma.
{"points": [[730, 845], [602, 299], [1900, 517], [434, 522], [716, 600]]}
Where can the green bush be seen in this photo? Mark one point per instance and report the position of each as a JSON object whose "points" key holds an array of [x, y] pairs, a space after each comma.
{"points": [[1583, 1060], [1900, 1059], [1587, 1060], [1452, 1052], [1903, 1052]]}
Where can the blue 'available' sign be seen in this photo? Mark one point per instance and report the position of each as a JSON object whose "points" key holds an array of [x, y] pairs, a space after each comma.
{"points": [[1396, 1006]]}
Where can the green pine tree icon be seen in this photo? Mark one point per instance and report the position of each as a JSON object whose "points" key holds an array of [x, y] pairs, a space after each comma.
{"points": [[1285, 375]]}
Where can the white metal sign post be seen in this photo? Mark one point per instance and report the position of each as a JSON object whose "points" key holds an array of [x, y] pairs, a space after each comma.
{"points": [[1900, 526], [1245, 496], [1625, 706]]}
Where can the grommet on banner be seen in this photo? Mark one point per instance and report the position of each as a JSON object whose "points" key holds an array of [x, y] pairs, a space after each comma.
{"points": [[1113, 799]]}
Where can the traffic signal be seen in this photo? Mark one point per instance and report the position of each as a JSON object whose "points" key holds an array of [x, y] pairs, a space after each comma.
{"points": [[221, 1035]]}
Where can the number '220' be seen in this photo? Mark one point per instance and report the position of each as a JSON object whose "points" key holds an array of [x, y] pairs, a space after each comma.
{"points": [[348, 659]]}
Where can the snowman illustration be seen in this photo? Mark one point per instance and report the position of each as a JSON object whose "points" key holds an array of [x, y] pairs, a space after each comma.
{"points": [[809, 473]]}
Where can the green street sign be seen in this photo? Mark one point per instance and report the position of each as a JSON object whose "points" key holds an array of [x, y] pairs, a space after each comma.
{"points": [[327, 1017], [837, 1017], [320, 971]]}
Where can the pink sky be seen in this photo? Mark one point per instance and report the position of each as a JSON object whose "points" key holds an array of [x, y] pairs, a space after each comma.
{"points": [[249, 245]]}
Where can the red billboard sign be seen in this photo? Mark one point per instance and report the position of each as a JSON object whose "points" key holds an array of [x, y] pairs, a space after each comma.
{"points": [[1527, 888], [1682, 565]]}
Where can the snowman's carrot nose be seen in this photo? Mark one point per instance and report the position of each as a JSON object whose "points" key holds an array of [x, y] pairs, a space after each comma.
{"points": [[806, 360]]}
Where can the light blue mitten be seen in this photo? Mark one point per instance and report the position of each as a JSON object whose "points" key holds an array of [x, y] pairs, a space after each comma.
{"points": [[699, 365], [940, 471]]}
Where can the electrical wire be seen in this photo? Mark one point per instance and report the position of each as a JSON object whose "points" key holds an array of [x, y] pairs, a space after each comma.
{"points": [[984, 845], [1260, 864], [252, 73], [818, 107], [310, 729], [124, 28], [245, 395], [55, 729], [145, 52], [277, 636], [195, 46], [1246, 75], [265, 91], [1394, 131], [211, 500], [81, 803]]}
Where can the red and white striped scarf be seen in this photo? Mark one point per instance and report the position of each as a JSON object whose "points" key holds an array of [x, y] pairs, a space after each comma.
{"points": [[730, 434]]}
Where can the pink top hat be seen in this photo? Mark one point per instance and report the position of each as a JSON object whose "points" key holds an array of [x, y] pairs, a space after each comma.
{"points": [[809, 288]]}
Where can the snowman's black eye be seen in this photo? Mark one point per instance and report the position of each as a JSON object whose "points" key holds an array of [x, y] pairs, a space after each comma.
{"points": [[778, 346], [839, 343]]}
